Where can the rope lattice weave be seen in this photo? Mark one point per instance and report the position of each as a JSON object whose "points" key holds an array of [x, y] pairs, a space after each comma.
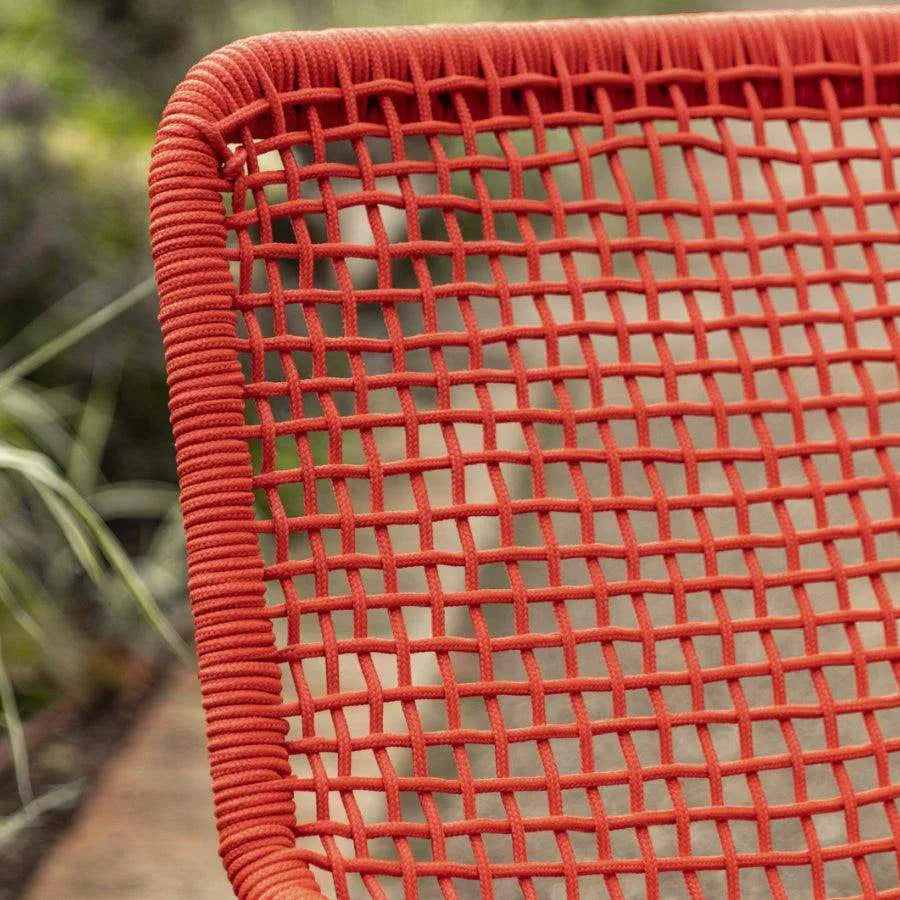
{"points": [[535, 393]]}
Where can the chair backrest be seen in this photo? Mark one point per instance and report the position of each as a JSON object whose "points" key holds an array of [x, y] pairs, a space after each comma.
{"points": [[536, 403]]}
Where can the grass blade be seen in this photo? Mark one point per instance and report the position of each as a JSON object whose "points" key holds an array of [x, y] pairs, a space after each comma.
{"points": [[16, 734], [93, 431], [45, 352], [36, 469], [56, 798]]}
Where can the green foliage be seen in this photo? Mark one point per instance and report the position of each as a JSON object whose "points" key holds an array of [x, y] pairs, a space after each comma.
{"points": [[56, 539]]}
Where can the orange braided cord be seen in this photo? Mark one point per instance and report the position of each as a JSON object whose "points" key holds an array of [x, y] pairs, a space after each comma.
{"points": [[535, 394]]}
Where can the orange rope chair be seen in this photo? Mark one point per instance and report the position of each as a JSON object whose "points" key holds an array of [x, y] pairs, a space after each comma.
{"points": [[535, 397]]}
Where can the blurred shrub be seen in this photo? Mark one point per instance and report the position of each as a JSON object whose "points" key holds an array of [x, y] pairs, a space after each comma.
{"points": [[69, 591]]}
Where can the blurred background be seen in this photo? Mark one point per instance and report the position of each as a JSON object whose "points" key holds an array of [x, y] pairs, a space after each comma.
{"points": [[92, 607]]}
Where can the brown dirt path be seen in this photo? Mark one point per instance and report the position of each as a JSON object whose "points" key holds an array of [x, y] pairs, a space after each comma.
{"points": [[146, 831]]}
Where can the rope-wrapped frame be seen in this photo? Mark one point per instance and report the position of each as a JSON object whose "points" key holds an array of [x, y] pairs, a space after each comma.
{"points": [[535, 398]]}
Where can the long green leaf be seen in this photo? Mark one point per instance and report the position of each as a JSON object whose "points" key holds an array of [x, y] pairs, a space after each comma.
{"points": [[29, 411], [25, 620], [93, 431], [46, 323], [72, 530], [16, 733], [56, 798], [45, 352], [134, 500], [36, 613], [36, 469]]}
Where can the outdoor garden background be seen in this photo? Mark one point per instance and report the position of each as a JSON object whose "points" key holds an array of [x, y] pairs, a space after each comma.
{"points": [[92, 598]]}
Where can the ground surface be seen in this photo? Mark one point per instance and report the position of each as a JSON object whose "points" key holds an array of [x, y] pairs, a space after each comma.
{"points": [[146, 831]]}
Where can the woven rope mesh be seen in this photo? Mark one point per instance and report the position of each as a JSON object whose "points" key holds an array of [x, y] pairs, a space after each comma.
{"points": [[572, 406]]}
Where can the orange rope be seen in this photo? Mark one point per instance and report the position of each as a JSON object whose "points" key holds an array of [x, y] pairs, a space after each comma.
{"points": [[529, 393]]}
